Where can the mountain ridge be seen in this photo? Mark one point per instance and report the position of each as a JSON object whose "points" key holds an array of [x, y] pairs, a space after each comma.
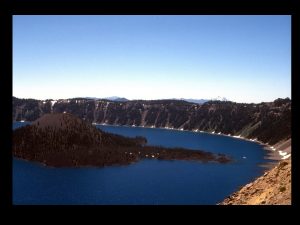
{"points": [[253, 121]]}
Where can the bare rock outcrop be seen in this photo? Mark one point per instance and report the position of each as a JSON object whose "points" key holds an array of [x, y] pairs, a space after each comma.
{"points": [[272, 188]]}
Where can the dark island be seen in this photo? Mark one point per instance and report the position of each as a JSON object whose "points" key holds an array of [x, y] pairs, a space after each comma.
{"points": [[63, 140]]}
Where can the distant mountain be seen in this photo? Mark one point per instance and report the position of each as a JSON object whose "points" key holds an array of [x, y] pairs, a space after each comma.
{"points": [[122, 99], [201, 101], [197, 101], [219, 98], [112, 98], [117, 99]]}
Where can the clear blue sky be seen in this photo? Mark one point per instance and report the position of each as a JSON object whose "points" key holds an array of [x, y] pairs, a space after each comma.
{"points": [[242, 58]]}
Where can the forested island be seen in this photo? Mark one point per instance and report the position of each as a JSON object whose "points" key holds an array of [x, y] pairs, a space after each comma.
{"points": [[64, 140]]}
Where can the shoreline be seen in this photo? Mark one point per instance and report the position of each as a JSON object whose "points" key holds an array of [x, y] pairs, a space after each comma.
{"points": [[136, 155], [273, 152]]}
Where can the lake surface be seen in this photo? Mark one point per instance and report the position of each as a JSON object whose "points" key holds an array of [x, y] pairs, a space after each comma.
{"points": [[148, 181]]}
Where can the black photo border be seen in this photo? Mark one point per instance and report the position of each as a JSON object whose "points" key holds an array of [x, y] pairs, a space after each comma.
{"points": [[9, 8]]}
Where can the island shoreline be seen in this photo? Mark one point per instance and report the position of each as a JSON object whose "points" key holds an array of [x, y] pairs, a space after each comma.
{"points": [[270, 150]]}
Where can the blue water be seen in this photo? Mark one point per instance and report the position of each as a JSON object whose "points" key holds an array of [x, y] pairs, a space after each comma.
{"points": [[145, 182]]}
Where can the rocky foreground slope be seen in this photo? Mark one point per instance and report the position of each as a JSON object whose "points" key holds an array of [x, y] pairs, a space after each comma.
{"points": [[63, 140], [273, 188], [268, 122]]}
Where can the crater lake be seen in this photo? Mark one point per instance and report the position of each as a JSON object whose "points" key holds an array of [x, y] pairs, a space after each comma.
{"points": [[147, 182]]}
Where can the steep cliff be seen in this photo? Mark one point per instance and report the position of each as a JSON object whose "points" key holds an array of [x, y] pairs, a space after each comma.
{"points": [[268, 122]]}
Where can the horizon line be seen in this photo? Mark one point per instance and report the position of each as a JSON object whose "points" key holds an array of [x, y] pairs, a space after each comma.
{"points": [[176, 99]]}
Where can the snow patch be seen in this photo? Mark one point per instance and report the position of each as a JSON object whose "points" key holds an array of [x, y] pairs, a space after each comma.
{"points": [[286, 156], [282, 153], [239, 136], [53, 102]]}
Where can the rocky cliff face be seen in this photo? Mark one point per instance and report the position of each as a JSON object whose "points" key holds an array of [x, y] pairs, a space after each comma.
{"points": [[267, 122], [273, 188]]}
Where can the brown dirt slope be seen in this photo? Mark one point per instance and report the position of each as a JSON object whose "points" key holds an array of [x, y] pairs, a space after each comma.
{"points": [[273, 188]]}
